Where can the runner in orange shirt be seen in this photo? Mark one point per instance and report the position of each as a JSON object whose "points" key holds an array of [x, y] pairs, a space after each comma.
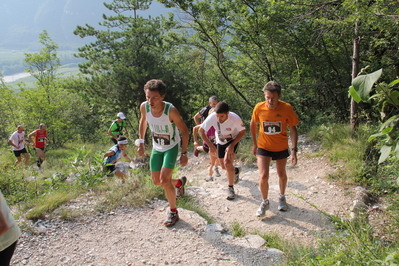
{"points": [[273, 117]]}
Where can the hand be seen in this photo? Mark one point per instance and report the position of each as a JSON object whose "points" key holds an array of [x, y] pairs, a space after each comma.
{"points": [[294, 159], [140, 150], [212, 149], [254, 149], [183, 160]]}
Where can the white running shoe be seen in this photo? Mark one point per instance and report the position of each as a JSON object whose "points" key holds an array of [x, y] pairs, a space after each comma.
{"points": [[230, 193], [216, 171], [282, 204], [209, 178], [264, 206]]}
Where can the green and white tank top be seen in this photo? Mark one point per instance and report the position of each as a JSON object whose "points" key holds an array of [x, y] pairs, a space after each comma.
{"points": [[165, 134]]}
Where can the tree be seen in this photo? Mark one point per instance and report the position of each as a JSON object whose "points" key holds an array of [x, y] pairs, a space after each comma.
{"points": [[126, 54], [304, 45], [8, 109], [43, 65], [49, 103]]}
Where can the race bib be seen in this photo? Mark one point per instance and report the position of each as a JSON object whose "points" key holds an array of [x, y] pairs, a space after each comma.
{"points": [[226, 138], [272, 128], [161, 139]]}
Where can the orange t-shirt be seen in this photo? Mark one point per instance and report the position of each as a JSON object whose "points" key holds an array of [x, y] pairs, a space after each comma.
{"points": [[273, 125]]}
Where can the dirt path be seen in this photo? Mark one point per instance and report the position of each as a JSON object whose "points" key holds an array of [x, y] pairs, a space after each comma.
{"points": [[137, 237]]}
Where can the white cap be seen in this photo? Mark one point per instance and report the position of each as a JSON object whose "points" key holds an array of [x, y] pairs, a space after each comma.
{"points": [[121, 115]]}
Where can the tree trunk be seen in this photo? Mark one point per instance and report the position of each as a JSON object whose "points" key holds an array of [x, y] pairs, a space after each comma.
{"points": [[355, 70]]}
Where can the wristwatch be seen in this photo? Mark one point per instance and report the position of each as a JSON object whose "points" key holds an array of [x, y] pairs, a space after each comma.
{"points": [[294, 149], [184, 154]]}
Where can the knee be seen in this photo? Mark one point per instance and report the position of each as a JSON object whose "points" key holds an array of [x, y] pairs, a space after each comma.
{"points": [[282, 175], [165, 182], [264, 178], [157, 183]]}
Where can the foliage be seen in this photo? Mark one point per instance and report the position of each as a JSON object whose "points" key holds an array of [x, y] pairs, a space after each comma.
{"points": [[7, 109], [305, 46], [238, 230], [353, 244], [43, 65], [386, 102], [344, 148]]}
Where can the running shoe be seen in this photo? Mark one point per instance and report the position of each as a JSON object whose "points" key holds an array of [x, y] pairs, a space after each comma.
{"points": [[282, 204], [209, 178], [180, 190], [264, 206], [237, 171], [196, 152], [216, 170], [230, 193], [173, 217]]}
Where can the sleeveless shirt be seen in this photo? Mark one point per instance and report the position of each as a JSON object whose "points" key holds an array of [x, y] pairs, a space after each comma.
{"points": [[40, 138], [165, 134]]}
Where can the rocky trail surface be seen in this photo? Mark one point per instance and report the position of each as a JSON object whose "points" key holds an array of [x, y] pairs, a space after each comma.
{"points": [[137, 236]]}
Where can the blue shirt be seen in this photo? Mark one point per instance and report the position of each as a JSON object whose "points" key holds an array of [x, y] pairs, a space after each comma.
{"points": [[113, 158]]}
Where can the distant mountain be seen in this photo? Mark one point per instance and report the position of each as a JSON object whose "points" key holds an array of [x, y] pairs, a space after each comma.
{"points": [[23, 20]]}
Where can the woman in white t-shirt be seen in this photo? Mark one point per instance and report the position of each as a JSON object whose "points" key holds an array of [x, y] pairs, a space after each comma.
{"points": [[9, 233]]}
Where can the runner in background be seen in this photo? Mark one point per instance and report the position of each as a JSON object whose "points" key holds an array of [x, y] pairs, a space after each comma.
{"points": [[17, 141], [229, 131], [214, 161], [113, 155], [39, 140], [117, 127]]}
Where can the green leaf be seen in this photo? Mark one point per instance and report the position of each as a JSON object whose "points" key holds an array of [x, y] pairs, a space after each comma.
{"points": [[390, 122], [397, 150], [374, 136], [394, 97], [385, 151], [387, 130], [354, 94], [396, 81], [364, 83]]}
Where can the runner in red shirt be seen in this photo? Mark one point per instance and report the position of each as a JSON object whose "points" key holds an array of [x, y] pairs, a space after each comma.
{"points": [[40, 141]]}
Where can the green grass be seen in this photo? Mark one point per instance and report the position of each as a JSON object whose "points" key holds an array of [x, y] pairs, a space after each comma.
{"points": [[50, 202], [238, 230], [343, 147]]}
